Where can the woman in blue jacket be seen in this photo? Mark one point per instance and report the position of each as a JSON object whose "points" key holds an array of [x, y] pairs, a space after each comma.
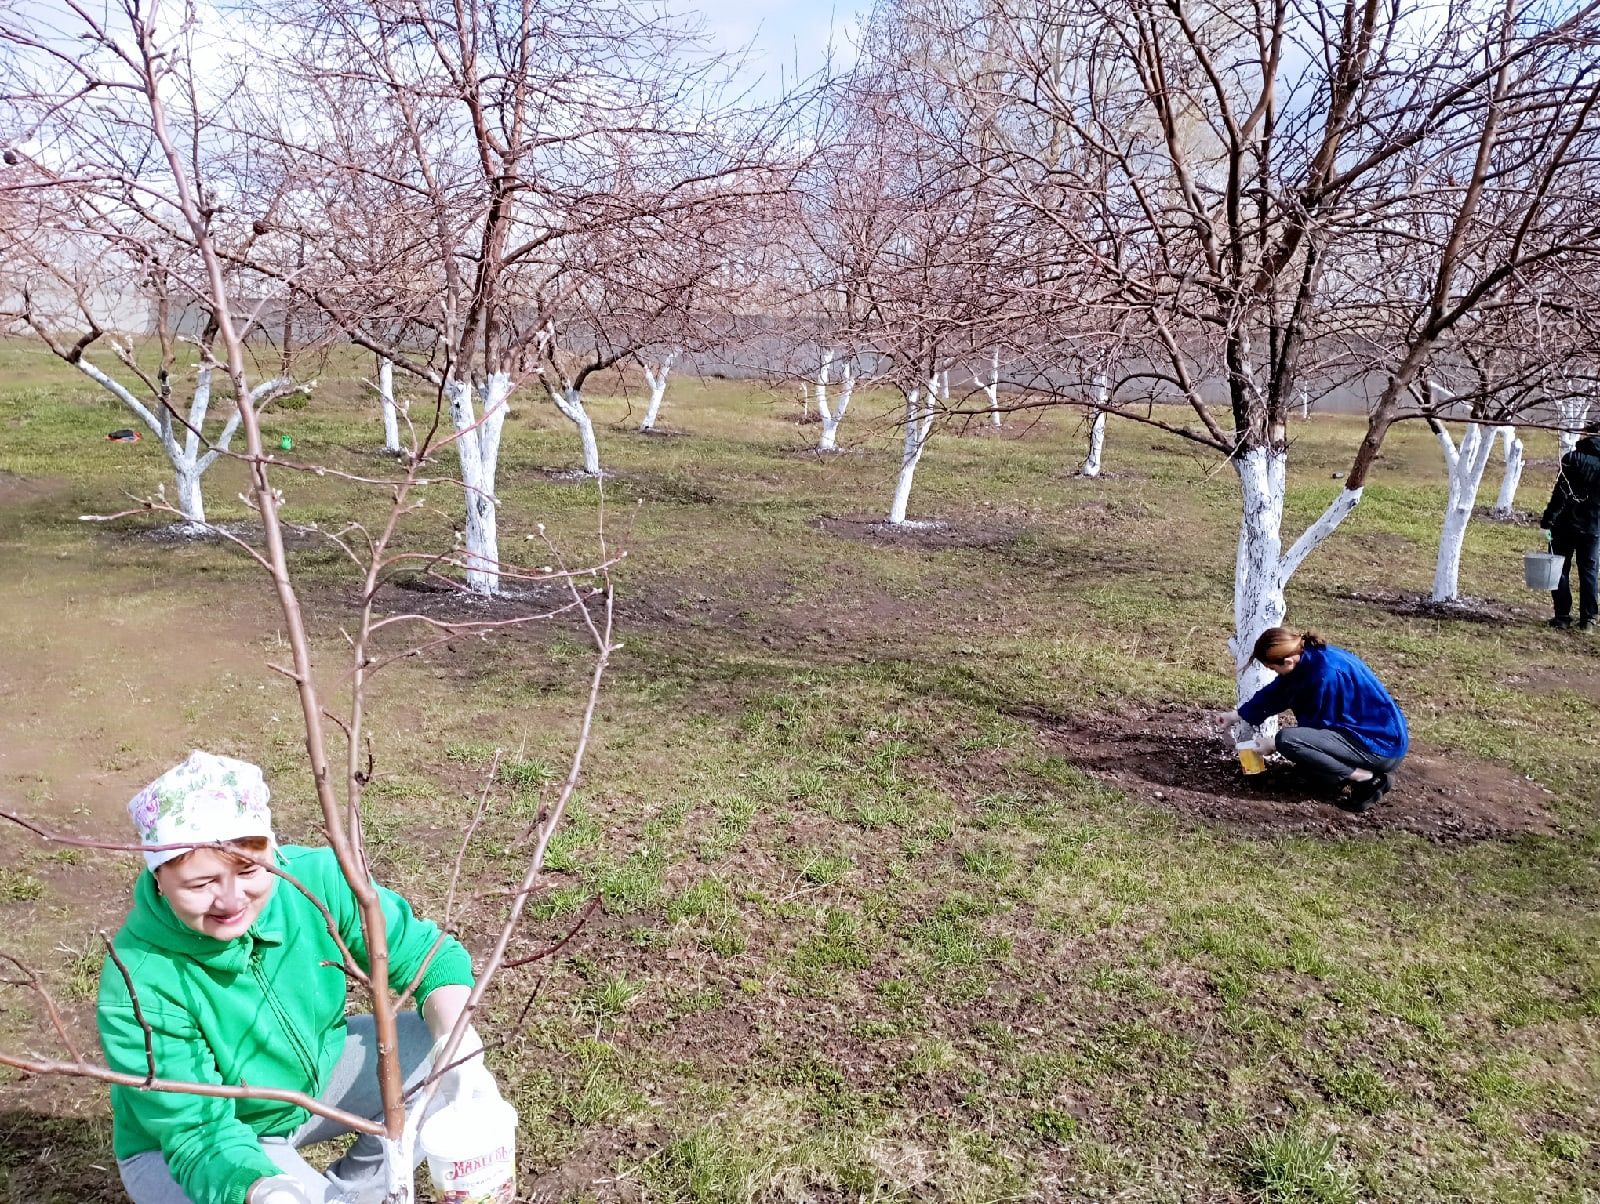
{"points": [[1349, 733]]}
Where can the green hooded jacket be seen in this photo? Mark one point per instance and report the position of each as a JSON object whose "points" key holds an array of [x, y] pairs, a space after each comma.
{"points": [[266, 1008]]}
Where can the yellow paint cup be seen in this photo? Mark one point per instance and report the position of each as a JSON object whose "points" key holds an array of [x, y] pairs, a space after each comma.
{"points": [[1250, 758]]}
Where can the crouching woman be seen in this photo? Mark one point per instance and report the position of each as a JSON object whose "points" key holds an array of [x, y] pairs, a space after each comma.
{"points": [[1349, 734], [233, 977]]}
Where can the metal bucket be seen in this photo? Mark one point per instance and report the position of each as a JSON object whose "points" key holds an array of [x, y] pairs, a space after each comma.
{"points": [[1542, 570]]}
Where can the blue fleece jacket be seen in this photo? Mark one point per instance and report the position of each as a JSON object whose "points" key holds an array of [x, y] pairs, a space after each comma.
{"points": [[1333, 689]]}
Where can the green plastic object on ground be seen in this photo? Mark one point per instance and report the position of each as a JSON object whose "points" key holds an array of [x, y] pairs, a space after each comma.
{"points": [[286, 443]]}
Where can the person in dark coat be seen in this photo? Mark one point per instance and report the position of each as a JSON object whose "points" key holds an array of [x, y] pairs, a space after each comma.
{"points": [[1572, 522]]}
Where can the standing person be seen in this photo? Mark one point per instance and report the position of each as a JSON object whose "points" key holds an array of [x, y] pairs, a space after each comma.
{"points": [[232, 977], [1571, 522], [1348, 732]]}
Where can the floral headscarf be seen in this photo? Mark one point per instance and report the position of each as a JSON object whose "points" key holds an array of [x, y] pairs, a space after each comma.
{"points": [[206, 799]]}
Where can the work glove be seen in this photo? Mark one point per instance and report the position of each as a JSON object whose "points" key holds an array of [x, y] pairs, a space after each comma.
{"points": [[469, 1078], [280, 1189]]}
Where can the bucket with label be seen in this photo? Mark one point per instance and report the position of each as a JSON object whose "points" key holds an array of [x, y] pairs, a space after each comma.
{"points": [[471, 1148], [1250, 758]]}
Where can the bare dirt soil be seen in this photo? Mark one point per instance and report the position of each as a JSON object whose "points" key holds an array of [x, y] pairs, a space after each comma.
{"points": [[1466, 610], [927, 534], [1178, 760]]}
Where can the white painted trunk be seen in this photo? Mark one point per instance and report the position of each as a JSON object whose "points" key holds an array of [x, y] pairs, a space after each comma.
{"points": [[1466, 466], [1262, 569], [391, 414], [823, 373], [991, 388], [399, 1179], [190, 501], [1572, 412], [478, 449], [1505, 505], [1097, 428], [189, 462], [919, 422], [831, 416], [1258, 600], [569, 401], [656, 379]]}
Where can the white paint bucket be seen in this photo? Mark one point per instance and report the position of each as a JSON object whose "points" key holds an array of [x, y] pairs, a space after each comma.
{"points": [[1542, 570], [471, 1147]]}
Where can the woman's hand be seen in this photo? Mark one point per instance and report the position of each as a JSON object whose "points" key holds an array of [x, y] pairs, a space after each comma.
{"points": [[467, 1076], [279, 1189]]}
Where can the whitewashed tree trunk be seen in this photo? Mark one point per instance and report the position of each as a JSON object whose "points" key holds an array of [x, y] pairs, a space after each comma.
{"points": [[920, 411], [1262, 568], [478, 449], [569, 400], [190, 499], [1465, 466], [833, 416], [1505, 505], [656, 378], [944, 387], [391, 414], [991, 388], [1572, 412], [1097, 427], [183, 446]]}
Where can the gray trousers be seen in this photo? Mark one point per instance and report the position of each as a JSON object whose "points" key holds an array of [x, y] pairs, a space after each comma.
{"points": [[353, 1087], [1328, 757]]}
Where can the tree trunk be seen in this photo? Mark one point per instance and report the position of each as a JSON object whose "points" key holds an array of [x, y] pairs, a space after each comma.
{"points": [[1262, 569], [478, 449], [391, 415], [1505, 505], [1466, 466], [1097, 428], [656, 378], [569, 400], [919, 422], [1573, 411], [992, 388], [1258, 599], [187, 474], [831, 418]]}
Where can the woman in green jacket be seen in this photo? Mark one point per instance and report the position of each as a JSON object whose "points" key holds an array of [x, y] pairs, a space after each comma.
{"points": [[235, 979]]}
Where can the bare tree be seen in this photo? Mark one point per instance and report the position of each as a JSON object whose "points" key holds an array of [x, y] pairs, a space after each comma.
{"points": [[145, 71], [1229, 175], [524, 165]]}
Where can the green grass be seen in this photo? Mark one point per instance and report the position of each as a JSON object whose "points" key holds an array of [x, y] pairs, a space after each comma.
{"points": [[872, 925]]}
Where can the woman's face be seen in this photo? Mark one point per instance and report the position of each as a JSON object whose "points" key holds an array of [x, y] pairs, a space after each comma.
{"points": [[214, 894], [1286, 665]]}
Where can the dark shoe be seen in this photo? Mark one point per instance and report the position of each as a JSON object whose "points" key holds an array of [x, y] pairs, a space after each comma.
{"points": [[1558, 621], [1585, 624], [1363, 796]]}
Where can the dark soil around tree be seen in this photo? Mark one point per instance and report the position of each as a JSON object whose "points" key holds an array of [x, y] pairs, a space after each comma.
{"points": [[1463, 609], [1179, 761]]}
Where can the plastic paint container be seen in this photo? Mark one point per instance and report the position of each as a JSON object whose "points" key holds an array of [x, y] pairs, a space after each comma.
{"points": [[1250, 758], [471, 1150]]}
